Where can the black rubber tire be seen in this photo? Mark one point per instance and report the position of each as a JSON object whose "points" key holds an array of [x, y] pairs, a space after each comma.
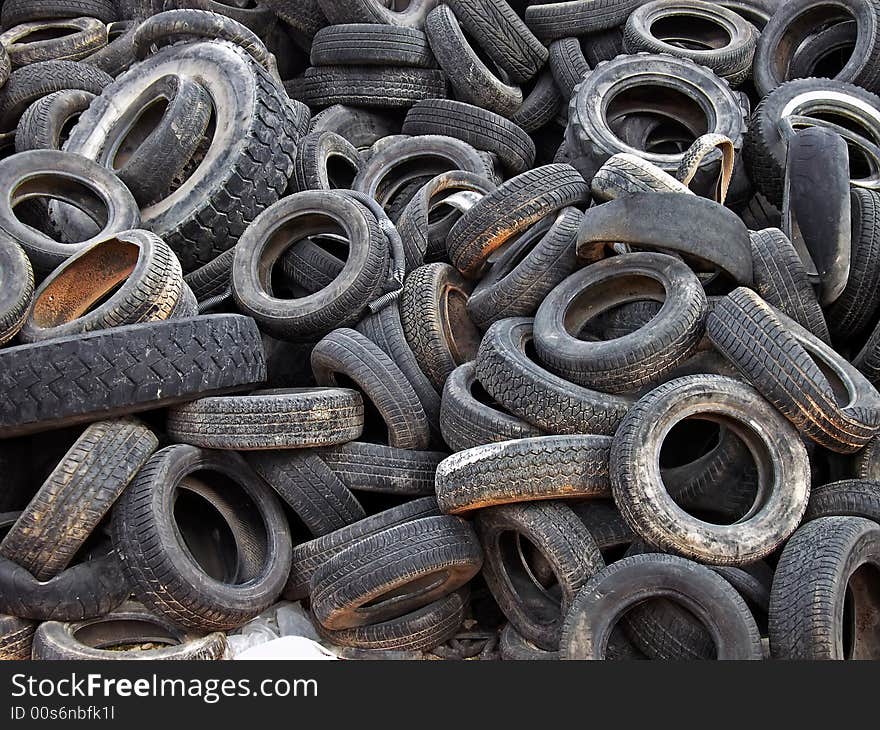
{"points": [[443, 548], [309, 266], [118, 55], [550, 21], [635, 360], [540, 106], [705, 234], [27, 84], [791, 24], [358, 44], [817, 571], [602, 45], [256, 17], [562, 540], [16, 289], [626, 174], [603, 600], [514, 647], [366, 467], [760, 213], [309, 556], [433, 312], [867, 461], [524, 470], [307, 484], [77, 494], [606, 526], [848, 497], [79, 295], [855, 310], [212, 279], [5, 68], [472, 81], [129, 624], [419, 630], [781, 359], [480, 128], [522, 275], [840, 37], [729, 55], [15, 12], [313, 169], [765, 149], [84, 36], [590, 139], [44, 122], [467, 422], [16, 637], [335, 306], [522, 386], [384, 87], [346, 352], [504, 37], [209, 214], [269, 419], [361, 127], [83, 378], [163, 573], [375, 11], [513, 207], [648, 508], [781, 279]]}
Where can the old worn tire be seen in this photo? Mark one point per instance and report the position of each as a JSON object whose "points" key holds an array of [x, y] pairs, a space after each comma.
{"points": [[16, 637], [365, 43], [83, 37], [16, 289], [381, 87], [848, 497], [366, 467], [44, 122]]}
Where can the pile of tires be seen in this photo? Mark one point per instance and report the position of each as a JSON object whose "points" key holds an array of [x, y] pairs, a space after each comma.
{"points": [[483, 328]]}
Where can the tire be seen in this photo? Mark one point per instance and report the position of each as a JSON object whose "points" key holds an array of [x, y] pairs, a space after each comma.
{"points": [[505, 38], [108, 373], [338, 305], [625, 174], [590, 139], [212, 279], [366, 467], [558, 535], [760, 213], [543, 467], [375, 11], [822, 565], [602, 45], [423, 629], [433, 312], [514, 647], [550, 21], [781, 279], [635, 360], [346, 353], [309, 266], [649, 509], [710, 237], [424, 239], [838, 38], [358, 44], [515, 379], [443, 548], [16, 12], [32, 82], [792, 24], [470, 78], [5, 68], [43, 124], [765, 150], [384, 87], [848, 497], [361, 127], [319, 499], [604, 599], [76, 496], [513, 207], [480, 128], [129, 625], [165, 575], [159, 163], [208, 215], [731, 60], [606, 526], [855, 310], [309, 556], [820, 224], [782, 360], [16, 289], [526, 272], [568, 64], [16, 637], [145, 270], [540, 106], [467, 422], [324, 161], [257, 18], [84, 37]]}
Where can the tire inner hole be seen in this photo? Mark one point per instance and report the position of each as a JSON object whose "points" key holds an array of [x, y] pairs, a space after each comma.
{"points": [[647, 622], [409, 169], [690, 33], [530, 577], [860, 631], [31, 200], [48, 34], [340, 172], [681, 119], [811, 21], [121, 634], [462, 336]]}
